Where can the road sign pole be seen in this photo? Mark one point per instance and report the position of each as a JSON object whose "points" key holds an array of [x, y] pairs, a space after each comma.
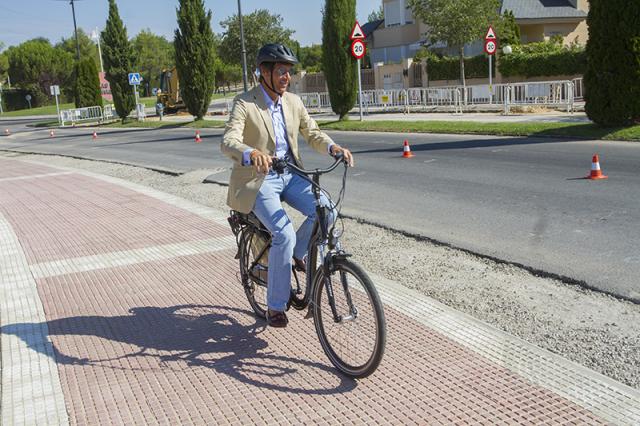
{"points": [[135, 94], [360, 88], [58, 108], [490, 82], [490, 48]]}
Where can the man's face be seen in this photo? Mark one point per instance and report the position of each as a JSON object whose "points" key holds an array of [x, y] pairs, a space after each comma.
{"points": [[280, 76]]}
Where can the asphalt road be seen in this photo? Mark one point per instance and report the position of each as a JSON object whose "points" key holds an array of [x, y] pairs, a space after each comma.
{"points": [[516, 199]]}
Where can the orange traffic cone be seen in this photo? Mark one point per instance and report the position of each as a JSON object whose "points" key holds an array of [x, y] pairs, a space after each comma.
{"points": [[407, 151], [51, 133], [7, 132], [198, 138], [95, 135], [596, 173]]}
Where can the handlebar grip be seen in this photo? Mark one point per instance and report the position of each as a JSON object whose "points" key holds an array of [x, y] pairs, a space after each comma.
{"points": [[278, 165], [338, 156]]}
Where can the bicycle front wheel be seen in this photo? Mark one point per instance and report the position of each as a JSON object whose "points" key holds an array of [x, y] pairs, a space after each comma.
{"points": [[349, 319]]}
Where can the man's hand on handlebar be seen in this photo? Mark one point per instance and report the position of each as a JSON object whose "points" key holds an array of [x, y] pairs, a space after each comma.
{"points": [[346, 154], [261, 162]]}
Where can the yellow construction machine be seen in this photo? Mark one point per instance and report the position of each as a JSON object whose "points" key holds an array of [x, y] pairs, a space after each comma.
{"points": [[169, 93]]}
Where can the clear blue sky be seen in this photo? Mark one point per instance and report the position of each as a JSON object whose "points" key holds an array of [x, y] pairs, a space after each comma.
{"points": [[26, 19]]}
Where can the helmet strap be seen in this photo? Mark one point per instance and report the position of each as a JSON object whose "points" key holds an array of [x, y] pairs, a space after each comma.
{"points": [[272, 86]]}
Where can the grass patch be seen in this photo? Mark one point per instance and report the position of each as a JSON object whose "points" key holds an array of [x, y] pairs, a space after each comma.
{"points": [[149, 102], [202, 124], [52, 123], [580, 130], [44, 110]]}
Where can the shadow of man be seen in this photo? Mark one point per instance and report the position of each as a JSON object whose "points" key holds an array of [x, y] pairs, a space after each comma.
{"points": [[198, 335]]}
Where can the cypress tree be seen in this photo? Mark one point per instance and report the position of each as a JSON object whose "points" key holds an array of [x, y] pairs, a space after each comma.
{"points": [[612, 78], [340, 68], [195, 56], [87, 90], [509, 31], [117, 56]]}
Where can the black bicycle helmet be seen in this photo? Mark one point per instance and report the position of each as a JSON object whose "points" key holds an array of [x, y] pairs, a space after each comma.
{"points": [[276, 52]]}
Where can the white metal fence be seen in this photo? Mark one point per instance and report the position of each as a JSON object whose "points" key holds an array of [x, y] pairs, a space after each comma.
{"points": [[81, 115], [109, 112], [97, 114], [578, 89], [457, 99]]}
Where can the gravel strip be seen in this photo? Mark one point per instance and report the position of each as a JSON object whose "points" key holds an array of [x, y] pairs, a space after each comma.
{"points": [[590, 328]]}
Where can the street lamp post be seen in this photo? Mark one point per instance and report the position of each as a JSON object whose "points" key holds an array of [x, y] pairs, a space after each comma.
{"points": [[96, 36], [75, 28], [244, 50], [506, 50]]}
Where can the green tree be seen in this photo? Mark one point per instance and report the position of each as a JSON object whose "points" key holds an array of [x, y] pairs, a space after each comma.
{"points": [[195, 56], [87, 91], [117, 56], [4, 63], [310, 57], [35, 65], [226, 74], [612, 79], [260, 28], [456, 22], [153, 53], [340, 69], [509, 31], [88, 49], [376, 15]]}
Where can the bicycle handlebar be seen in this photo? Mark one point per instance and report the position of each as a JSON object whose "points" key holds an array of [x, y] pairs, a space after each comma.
{"points": [[280, 163]]}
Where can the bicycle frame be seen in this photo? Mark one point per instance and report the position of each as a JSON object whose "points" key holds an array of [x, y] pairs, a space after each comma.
{"points": [[326, 237]]}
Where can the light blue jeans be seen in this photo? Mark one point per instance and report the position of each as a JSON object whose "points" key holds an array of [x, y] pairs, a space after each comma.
{"points": [[286, 243]]}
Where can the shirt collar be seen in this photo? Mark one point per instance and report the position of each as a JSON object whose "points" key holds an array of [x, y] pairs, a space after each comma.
{"points": [[270, 102]]}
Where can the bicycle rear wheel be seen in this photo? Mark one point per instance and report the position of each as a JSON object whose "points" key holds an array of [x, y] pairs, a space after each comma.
{"points": [[253, 272], [355, 342]]}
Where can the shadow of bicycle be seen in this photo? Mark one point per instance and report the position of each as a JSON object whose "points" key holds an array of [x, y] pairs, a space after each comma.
{"points": [[215, 337]]}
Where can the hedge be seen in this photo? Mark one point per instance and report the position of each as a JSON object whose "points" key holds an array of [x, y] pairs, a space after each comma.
{"points": [[543, 59], [448, 67], [14, 99]]}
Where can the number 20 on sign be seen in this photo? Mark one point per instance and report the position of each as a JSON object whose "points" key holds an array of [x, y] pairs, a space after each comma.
{"points": [[490, 47], [358, 49]]}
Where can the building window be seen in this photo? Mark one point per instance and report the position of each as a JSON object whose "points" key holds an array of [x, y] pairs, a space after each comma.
{"points": [[408, 15], [392, 13]]}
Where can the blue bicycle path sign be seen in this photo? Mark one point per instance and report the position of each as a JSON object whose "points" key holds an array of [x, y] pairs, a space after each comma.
{"points": [[134, 78]]}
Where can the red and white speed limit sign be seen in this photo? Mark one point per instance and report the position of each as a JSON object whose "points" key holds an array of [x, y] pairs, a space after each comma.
{"points": [[490, 47], [358, 49]]}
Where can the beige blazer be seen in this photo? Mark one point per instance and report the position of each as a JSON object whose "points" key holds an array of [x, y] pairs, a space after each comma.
{"points": [[250, 126]]}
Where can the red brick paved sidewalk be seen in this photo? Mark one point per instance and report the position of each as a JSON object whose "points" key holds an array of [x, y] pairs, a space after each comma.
{"points": [[121, 305]]}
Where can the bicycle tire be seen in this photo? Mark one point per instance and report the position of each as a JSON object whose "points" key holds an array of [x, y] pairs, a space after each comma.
{"points": [[255, 291], [325, 324]]}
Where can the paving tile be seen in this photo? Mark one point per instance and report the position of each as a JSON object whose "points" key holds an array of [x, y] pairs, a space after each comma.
{"points": [[143, 314]]}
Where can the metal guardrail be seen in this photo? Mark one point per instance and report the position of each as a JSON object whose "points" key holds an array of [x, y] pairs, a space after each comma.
{"points": [[109, 112], [81, 115], [578, 89], [97, 114], [457, 99]]}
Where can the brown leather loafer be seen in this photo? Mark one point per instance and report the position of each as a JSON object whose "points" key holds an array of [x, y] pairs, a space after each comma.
{"points": [[277, 319]]}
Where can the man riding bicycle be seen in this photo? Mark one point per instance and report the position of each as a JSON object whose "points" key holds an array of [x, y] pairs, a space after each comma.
{"points": [[265, 123]]}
